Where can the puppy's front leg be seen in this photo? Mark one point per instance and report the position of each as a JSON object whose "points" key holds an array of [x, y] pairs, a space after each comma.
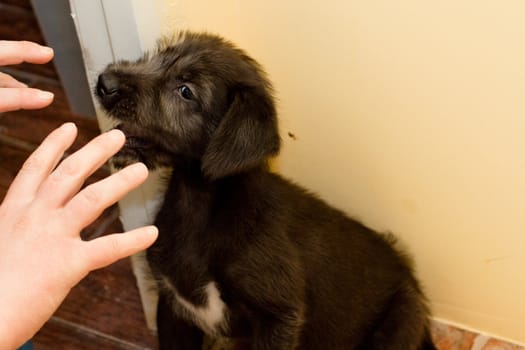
{"points": [[280, 333], [174, 332], [273, 290]]}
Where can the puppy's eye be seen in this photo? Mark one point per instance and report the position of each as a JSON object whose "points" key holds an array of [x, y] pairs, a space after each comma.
{"points": [[185, 92]]}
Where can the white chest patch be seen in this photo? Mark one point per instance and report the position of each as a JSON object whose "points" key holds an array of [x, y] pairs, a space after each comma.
{"points": [[211, 317]]}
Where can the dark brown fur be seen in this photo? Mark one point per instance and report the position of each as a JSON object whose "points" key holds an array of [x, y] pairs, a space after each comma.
{"points": [[294, 272]]}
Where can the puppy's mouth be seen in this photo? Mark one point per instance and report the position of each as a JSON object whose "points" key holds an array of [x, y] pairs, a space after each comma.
{"points": [[141, 148]]}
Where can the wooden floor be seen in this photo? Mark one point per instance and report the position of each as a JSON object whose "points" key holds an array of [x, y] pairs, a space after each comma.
{"points": [[103, 311]]}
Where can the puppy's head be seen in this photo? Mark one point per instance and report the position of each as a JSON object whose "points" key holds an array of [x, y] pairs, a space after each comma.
{"points": [[197, 98]]}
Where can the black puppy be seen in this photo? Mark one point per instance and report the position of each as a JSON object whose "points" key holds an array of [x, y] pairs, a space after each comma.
{"points": [[243, 252]]}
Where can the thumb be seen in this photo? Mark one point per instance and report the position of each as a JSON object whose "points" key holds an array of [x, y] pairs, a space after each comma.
{"points": [[106, 250]]}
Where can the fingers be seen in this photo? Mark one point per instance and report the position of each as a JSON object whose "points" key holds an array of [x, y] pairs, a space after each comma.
{"points": [[12, 99], [70, 175], [15, 52], [108, 249], [40, 163], [15, 95], [86, 206], [7, 81]]}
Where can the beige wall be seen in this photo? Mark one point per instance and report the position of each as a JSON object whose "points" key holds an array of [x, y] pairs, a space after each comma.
{"points": [[410, 115]]}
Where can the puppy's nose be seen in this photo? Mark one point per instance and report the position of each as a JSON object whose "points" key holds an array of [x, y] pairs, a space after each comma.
{"points": [[107, 85]]}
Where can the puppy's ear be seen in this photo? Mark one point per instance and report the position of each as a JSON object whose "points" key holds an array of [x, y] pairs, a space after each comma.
{"points": [[246, 136]]}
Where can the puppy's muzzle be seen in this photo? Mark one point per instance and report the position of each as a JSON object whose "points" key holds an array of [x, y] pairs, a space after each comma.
{"points": [[108, 89]]}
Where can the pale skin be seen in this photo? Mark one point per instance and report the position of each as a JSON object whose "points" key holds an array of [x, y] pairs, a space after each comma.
{"points": [[41, 253]]}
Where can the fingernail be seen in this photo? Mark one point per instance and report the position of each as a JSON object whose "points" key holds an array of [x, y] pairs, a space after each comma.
{"points": [[46, 50], [45, 95], [139, 168], [115, 134], [68, 126], [152, 230]]}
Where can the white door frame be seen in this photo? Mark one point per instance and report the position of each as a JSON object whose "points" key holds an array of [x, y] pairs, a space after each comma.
{"points": [[111, 30]]}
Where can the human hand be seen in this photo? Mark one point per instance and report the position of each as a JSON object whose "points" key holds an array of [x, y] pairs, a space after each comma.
{"points": [[14, 94], [41, 253]]}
